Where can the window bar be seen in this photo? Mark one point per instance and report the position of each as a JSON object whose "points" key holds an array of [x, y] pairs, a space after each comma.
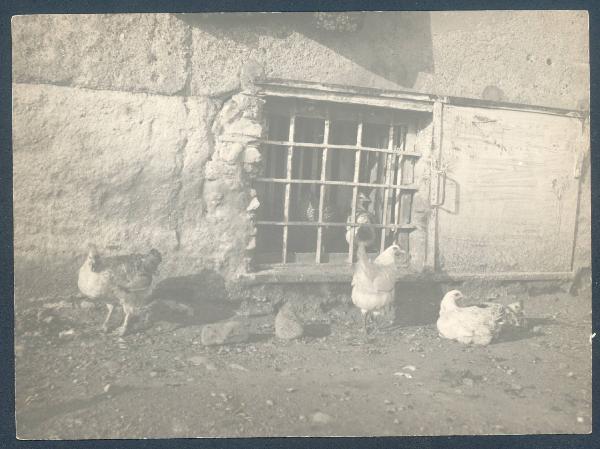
{"points": [[355, 191], [399, 175], [389, 161], [322, 192], [369, 150], [288, 185], [408, 177], [405, 187]]}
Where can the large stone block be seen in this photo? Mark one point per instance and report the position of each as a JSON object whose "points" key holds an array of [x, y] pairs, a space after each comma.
{"points": [[132, 52]]}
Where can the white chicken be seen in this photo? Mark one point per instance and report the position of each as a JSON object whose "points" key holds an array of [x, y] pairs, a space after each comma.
{"points": [[373, 283], [119, 280], [479, 324]]}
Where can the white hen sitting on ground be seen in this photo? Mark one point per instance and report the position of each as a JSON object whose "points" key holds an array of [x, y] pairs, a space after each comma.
{"points": [[119, 280], [479, 324], [373, 282]]}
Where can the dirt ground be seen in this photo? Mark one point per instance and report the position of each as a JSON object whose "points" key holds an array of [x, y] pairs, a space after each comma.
{"points": [[406, 380]]}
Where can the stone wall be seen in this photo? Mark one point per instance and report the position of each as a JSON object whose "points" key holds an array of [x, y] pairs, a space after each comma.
{"points": [[533, 57], [130, 130]]}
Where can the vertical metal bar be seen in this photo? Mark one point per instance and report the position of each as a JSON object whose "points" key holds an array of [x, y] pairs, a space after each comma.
{"points": [[286, 204], [322, 192], [436, 154], [399, 175], [389, 159], [355, 190]]}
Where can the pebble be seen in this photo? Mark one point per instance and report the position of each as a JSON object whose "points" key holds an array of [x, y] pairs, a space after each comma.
{"points": [[290, 390], [67, 333], [387, 401], [197, 360], [396, 421], [287, 324], [570, 374], [153, 373], [238, 367], [321, 418], [269, 402], [107, 388], [467, 381], [409, 368]]}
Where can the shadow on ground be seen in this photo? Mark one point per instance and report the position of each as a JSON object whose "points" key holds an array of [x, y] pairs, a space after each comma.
{"points": [[196, 299]]}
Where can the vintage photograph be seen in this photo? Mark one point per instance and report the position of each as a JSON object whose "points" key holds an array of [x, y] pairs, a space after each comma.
{"points": [[262, 224]]}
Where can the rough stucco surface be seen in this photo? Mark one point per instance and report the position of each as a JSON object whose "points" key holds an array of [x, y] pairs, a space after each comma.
{"points": [[534, 57], [131, 52], [109, 167]]}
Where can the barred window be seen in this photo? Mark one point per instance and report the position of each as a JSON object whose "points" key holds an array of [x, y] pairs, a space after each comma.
{"points": [[330, 168]]}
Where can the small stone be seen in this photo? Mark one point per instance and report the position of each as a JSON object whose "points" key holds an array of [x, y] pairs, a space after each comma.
{"points": [[254, 205], [67, 333], [107, 388], [409, 368], [230, 151], [536, 329], [570, 374], [197, 360], [321, 418], [238, 367], [290, 390], [287, 324], [153, 373], [396, 421], [302, 418], [269, 402], [223, 333], [387, 401], [467, 381]]}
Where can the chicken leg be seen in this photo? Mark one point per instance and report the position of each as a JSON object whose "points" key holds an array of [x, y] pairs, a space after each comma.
{"points": [[366, 317], [121, 331], [110, 308]]}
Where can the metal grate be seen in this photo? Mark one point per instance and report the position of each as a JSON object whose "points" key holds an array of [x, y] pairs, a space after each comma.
{"points": [[321, 161]]}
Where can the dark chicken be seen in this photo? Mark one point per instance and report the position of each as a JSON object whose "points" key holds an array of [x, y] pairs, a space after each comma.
{"points": [[119, 280]]}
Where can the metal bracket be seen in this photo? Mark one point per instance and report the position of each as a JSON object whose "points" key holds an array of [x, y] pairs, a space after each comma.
{"points": [[439, 171]]}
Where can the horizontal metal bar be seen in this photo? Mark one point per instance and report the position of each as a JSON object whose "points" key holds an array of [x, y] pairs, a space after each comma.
{"points": [[281, 143], [335, 224], [407, 187]]}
